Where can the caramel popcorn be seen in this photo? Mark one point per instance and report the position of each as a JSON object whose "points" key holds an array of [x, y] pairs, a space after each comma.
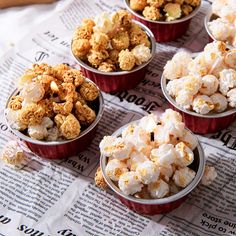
{"points": [[174, 9], [47, 104], [107, 36], [126, 60], [99, 180]]}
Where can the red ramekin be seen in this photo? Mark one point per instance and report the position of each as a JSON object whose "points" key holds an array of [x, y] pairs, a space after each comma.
{"points": [[65, 148], [165, 31], [201, 124], [120, 80], [162, 205]]}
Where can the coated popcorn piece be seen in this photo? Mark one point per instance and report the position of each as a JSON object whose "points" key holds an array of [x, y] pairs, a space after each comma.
{"points": [[174, 87], [73, 76], [70, 128], [31, 114], [81, 47], [95, 58], [209, 175], [122, 18], [126, 60], [45, 81], [170, 114], [138, 5], [158, 189], [142, 54], [47, 106], [156, 3], [192, 84], [59, 119], [115, 168], [83, 32], [89, 91], [152, 13], [149, 123], [183, 176], [12, 153], [186, 9], [161, 136], [107, 66], [99, 180], [64, 108], [232, 97], [16, 102], [184, 155], [84, 114], [173, 11], [59, 70], [99, 41], [148, 172], [209, 85], [113, 55], [202, 104], [193, 3], [42, 69], [120, 41], [66, 91], [130, 183], [220, 102]]}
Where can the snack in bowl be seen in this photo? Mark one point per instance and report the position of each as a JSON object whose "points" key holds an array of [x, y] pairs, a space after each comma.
{"points": [[220, 22], [168, 20], [113, 50], [153, 163], [202, 88], [55, 110]]}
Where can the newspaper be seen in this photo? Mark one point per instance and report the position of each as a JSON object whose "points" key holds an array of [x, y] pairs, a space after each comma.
{"points": [[58, 197]]}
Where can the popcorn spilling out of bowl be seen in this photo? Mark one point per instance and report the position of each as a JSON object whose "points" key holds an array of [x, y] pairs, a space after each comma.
{"points": [[204, 84], [224, 27], [152, 157], [12, 153], [111, 42], [53, 103], [209, 175], [164, 10]]}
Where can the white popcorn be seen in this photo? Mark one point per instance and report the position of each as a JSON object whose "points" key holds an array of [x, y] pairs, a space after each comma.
{"points": [[232, 97], [158, 189], [214, 50], [53, 134], [198, 66], [183, 177], [135, 159], [115, 168], [219, 101], [115, 147], [220, 29], [103, 22], [148, 172], [163, 155], [192, 84], [32, 92], [184, 99], [172, 115], [218, 66], [161, 135], [130, 183], [175, 129], [189, 139], [230, 58], [217, 6], [184, 155], [166, 172], [173, 187], [202, 104], [228, 12], [174, 87], [149, 123], [227, 80], [209, 85], [209, 175], [142, 54], [176, 67], [12, 119]]}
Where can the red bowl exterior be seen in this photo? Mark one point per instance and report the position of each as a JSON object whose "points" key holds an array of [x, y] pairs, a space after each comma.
{"points": [[109, 83], [152, 209], [202, 125], [63, 150], [165, 32]]}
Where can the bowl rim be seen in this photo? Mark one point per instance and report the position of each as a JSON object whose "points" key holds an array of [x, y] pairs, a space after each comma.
{"points": [[51, 143], [191, 15], [206, 21], [159, 201], [117, 73], [192, 113]]}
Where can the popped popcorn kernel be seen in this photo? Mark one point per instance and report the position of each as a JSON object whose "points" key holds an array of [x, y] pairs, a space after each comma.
{"points": [[89, 91], [99, 180]]}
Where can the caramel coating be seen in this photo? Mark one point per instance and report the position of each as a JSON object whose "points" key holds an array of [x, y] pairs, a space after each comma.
{"points": [[107, 66], [46, 105], [186, 9], [81, 47], [45, 80], [83, 32], [126, 60], [84, 113], [120, 41], [99, 180], [59, 120], [193, 3], [89, 91], [59, 70], [64, 108], [16, 102], [152, 13], [73, 76], [67, 91], [99, 41], [95, 58], [31, 114], [113, 55], [155, 3], [138, 5], [122, 19], [70, 128]]}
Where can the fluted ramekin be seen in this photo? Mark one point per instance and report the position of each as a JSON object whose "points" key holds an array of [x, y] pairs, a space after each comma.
{"points": [[165, 31], [118, 80], [198, 123], [162, 205], [64, 148]]}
